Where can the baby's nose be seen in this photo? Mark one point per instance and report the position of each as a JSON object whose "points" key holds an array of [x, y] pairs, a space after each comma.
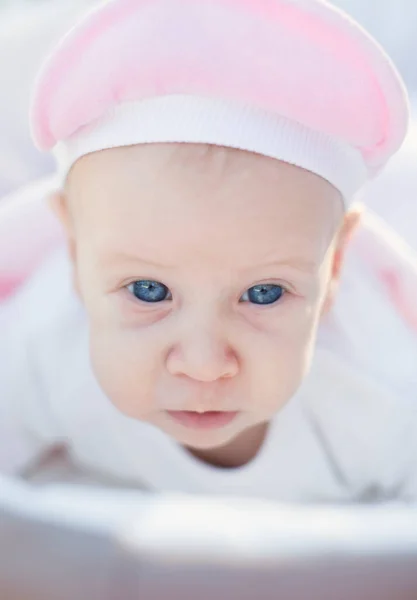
{"points": [[203, 356]]}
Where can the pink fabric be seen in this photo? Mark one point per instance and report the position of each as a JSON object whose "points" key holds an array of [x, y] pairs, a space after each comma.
{"points": [[393, 262], [302, 59], [28, 231], [404, 299], [8, 286]]}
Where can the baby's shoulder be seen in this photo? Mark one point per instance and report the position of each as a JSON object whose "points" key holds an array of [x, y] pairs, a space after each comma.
{"points": [[47, 298], [365, 428], [53, 327], [389, 261], [362, 392], [373, 324], [29, 233]]}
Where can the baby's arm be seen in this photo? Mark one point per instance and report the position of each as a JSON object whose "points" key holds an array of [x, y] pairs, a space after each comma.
{"points": [[20, 394], [28, 234], [396, 266]]}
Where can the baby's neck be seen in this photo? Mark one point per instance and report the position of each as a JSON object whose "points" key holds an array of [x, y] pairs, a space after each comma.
{"points": [[238, 453]]}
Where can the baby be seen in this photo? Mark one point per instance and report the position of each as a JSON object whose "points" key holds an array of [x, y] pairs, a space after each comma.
{"points": [[194, 337]]}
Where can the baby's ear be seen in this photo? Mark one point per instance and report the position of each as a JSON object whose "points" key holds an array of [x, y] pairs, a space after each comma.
{"points": [[58, 201], [351, 222]]}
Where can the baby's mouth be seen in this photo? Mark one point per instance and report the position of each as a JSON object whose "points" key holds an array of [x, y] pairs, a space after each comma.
{"points": [[205, 420]]}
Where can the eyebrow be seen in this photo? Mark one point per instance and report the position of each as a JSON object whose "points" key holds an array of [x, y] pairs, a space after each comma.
{"points": [[109, 260], [298, 263], [301, 264]]}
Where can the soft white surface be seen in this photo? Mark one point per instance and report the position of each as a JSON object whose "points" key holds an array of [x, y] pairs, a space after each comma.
{"points": [[204, 530]]}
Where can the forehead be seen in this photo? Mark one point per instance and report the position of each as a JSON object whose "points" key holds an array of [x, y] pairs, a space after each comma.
{"points": [[198, 192]]}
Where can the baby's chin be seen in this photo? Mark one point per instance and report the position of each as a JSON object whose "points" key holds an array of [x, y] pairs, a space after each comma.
{"points": [[230, 451], [208, 441]]}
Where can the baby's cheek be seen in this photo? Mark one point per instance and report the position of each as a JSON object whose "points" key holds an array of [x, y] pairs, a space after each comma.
{"points": [[295, 364], [126, 366], [286, 359]]}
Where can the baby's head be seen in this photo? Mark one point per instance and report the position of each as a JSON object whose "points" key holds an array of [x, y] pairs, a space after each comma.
{"points": [[207, 234], [204, 272]]}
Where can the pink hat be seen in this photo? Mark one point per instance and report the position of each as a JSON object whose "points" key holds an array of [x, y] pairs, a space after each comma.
{"points": [[296, 80]]}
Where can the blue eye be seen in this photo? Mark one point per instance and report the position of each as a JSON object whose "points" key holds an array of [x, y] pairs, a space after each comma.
{"points": [[264, 294], [149, 291]]}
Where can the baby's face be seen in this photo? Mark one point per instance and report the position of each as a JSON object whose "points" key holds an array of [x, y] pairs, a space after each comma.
{"points": [[204, 272]]}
